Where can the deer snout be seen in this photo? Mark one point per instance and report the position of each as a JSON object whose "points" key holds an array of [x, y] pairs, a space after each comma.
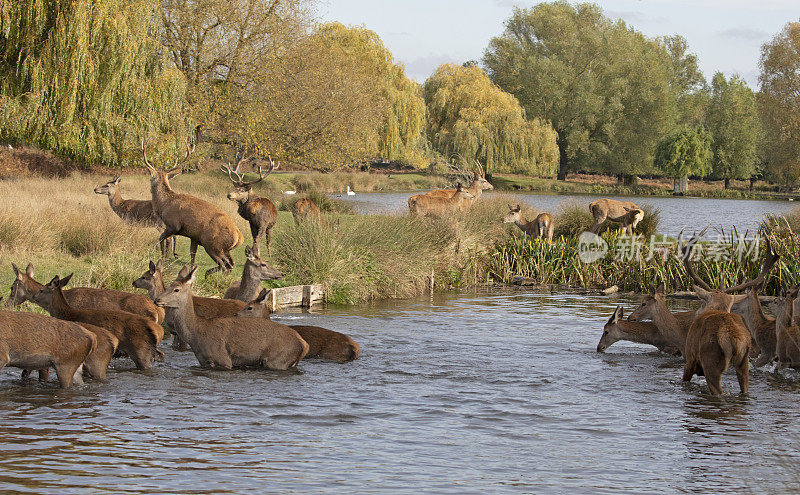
{"points": [[601, 348], [99, 190], [229, 196]]}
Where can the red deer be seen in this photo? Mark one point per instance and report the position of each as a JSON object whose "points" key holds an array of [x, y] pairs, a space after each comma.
{"points": [[322, 343], [138, 336], [624, 212], [476, 188], [617, 329], [231, 342], [33, 341], [761, 327], [202, 222], [422, 204], [260, 213], [305, 208], [788, 334], [255, 270], [25, 288], [135, 211], [541, 227], [673, 326]]}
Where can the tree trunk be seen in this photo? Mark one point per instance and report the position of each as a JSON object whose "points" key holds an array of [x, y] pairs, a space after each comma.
{"points": [[727, 183], [752, 183], [562, 159], [681, 185], [628, 180]]}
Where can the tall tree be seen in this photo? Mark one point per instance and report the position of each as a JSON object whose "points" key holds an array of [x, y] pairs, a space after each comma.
{"points": [[471, 119], [684, 153], [86, 79], [687, 81], [735, 128], [604, 87], [779, 104]]}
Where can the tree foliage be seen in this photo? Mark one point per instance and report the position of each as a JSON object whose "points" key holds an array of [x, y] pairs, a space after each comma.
{"points": [[605, 87], [685, 152], [779, 103], [86, 79], [687, 82], [470, 118], [735, 128]]}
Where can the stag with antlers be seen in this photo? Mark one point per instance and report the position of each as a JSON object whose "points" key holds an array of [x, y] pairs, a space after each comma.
{"points": [[203, 223], [475, 188], [259, 212]]}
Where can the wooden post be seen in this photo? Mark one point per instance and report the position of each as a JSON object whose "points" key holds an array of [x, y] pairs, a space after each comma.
{"points": [[271, 301], [306, 301]]}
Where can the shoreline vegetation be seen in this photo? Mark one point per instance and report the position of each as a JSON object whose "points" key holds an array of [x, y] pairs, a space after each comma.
{"points": [[356, 258]]}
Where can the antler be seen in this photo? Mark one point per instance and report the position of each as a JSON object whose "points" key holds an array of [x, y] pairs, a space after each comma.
{"points": [[481, 170], [190, 146], [769, 262], [686, 252], [231, 173], [240, 177], [144, 154]]}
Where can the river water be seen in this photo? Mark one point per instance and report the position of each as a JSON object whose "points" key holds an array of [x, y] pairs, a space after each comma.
{"points": [[472, 392], [677, 213]]}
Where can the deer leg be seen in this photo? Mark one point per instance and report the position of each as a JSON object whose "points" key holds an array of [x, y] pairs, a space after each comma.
{"points": [[743, 375], [44, 374], [268, 235], [178, 344], [25, 374], [164, 247], [221, 264], [193, 250], [689, 370], [66, 373], [174, 242]]}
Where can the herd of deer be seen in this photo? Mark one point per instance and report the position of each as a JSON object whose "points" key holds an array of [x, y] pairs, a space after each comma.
{"points": [[87, 327], [729, 329]]}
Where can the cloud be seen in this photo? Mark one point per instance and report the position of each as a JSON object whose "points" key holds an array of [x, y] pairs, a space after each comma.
{"points": [[513, 3], [744, 33], [634, 17], [421, 68]]}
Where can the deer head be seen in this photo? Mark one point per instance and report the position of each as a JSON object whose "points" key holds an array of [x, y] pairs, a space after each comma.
{"points": [[179, 292], [255, 308], [162, 176], [650, 304], [611, 331], [47, 295], [149, 279], [24, 286], [243, 187], [110, 187], [514, 214], [258, 268], [635, 214]]}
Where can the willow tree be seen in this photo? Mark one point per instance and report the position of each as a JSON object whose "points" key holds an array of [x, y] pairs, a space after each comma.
{"points": [[684, 153], [604, 87], [86, 79], [470, 118], [399, 135], [779, 104]]}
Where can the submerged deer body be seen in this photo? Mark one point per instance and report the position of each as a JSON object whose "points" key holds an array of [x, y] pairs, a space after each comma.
{"points": [[138, 336], [255, 270], [617, 329], [542, 226], [33, 341], [25, 288], [202, 222], [476, 188], [422, 204], [787, 333], [135, 211], [231, 342], [322, 343], [260, 213], [305, 208], [624, 212], [673, 326]]}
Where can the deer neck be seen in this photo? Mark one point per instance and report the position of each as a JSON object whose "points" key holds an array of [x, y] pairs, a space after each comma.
{"points": [[31, 287], [636, 331], [157, 287], [522, 223], [184, 322], [475, 189], [249, 286], [115, 200], [161, 190], [61, 308], [668, 325]]}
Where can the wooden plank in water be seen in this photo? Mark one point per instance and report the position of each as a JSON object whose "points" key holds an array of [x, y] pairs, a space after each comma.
{"points": [[296, 295]]}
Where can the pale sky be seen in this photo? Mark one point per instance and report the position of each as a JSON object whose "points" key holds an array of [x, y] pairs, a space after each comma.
{"points": [[422, 34]]}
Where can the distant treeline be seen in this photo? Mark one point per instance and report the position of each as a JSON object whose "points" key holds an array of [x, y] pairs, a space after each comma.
{"points": [[563, 88]]}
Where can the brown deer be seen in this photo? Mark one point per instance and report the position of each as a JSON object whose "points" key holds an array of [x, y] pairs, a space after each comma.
{"points": [[476, 188], [255, 270], [25, 288], [624, 212], [617, 329], [135, 211], [260, 213], [33, 341], [541, 227], [422, 204], [231, 342], [322, 343], [761, 327], [673, 326], [787, 333], [305, 208], [138, 336], [202, 222]]}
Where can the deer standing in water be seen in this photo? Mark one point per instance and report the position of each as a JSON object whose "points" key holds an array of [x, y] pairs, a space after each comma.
{"points": [[624, 212], [322, 343], [787, 348], [135, 211], [422, 204], [230, 342], [476, 188], [617, 329], [542, 226], [255, 270], [33, 341], [259, 212], [202, 222], [138, 336]]}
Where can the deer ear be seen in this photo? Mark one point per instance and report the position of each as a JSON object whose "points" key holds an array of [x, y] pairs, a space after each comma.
{"points": [[248, 253], [184, 272], [29, 270], [16, 270], [118, 179], [618, 314], [660, 289], [519, 207], [702, 293], [53, 282], [64, 281], [192, 275], [152, 267], [262, 295], [510, 208], [159, 265]]}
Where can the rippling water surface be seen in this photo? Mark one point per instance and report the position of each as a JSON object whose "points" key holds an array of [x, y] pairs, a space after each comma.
{"points": [[693, 214], [474, 392]]}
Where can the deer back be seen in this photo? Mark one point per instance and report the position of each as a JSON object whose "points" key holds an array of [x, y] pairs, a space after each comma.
{"points": [[34, 341], [115, 300], [328, 344]]}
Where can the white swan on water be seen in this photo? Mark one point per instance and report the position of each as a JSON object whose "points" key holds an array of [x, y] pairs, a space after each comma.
{"points": [[289, 193], [349, 192]]}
